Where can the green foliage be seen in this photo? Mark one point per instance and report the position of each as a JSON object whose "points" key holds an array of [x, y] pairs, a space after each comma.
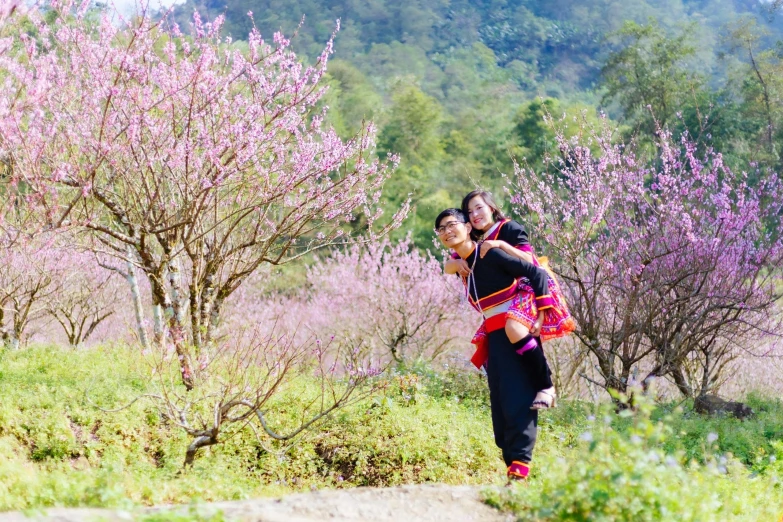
{"points": [[191, 515], [751, 441], [351, 98], [428, 425], [626, 475], [413, 130], [537, 123], [58, 449], [760, 88], [649, 75], [453, 84]]}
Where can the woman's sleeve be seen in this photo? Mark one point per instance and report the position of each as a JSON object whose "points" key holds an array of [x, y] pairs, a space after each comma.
{"points": [[538, 277], [515, 235]]}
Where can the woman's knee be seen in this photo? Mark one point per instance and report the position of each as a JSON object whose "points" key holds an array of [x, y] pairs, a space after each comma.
{"points": [[516, 331]]}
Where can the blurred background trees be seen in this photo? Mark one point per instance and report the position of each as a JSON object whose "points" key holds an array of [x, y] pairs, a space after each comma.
{"points": [[458, 87]]}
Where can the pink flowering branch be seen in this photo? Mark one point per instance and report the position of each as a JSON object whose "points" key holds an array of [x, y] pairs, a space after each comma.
{"points": [[86, 297], [672, 267], [206, 160], [393, 298], [32, 272], [387, 297]]}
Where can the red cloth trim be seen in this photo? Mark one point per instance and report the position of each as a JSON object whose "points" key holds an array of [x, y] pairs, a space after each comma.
{"points": [[499, 297], [545, 301], [496, 322], [480, 356]]}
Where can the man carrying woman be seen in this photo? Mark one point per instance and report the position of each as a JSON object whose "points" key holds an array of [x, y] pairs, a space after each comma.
{"points": [[491, 284]]}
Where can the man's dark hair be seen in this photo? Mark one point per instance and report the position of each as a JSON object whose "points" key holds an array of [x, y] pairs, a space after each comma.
{"points": [[457, 213], [497, 214]]}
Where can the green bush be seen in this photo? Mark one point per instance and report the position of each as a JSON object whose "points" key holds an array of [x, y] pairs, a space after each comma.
{"points": [[626, 474], [58, 449]]}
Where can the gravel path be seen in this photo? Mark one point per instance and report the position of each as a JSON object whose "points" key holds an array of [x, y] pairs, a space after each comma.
{"points": [[425, 503]]}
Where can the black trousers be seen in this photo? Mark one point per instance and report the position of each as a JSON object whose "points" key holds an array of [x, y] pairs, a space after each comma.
{"points": [[511, 393]]}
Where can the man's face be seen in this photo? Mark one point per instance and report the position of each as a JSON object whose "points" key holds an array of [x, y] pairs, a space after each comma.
{"points": [[452, 232]]}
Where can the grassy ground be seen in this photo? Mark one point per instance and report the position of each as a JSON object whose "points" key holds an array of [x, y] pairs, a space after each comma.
{"points": [[658, 463], [57, 449]]}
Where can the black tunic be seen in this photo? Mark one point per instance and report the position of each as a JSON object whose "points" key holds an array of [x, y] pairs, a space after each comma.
{"points": [[494, 277]]}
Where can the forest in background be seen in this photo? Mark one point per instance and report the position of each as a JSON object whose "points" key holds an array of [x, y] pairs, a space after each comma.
{"points": [[458, 88]]}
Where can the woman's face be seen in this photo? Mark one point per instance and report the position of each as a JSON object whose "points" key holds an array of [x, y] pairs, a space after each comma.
{"points": [[480, 214]]}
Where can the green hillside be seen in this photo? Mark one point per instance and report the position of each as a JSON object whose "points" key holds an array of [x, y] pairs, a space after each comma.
{"points": [[456, 86]]}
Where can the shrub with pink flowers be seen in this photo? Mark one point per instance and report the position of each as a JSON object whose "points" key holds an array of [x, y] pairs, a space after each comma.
{"points": [[672, 267], [197, 158], [388, 298]]}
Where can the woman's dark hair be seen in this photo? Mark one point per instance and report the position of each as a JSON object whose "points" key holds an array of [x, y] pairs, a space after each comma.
{"points": [[497, 214], [457, 213]]}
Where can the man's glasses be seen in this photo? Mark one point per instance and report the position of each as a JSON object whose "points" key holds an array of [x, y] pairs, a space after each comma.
{"points": [[448, 227]]}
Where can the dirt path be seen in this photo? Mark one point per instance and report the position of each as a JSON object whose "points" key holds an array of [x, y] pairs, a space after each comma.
{"points": [[421, 503]]}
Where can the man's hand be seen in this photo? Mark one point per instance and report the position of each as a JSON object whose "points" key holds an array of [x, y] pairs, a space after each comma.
{"points": [[487, 245], [535, 330]]}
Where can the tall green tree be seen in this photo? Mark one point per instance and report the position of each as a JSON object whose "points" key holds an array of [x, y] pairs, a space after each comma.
{"points": [[649, 75], [759, 83], [414, 131], [351, 98]]}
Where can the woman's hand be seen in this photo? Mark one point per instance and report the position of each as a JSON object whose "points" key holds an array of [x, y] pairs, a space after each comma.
{"points": [[487, 245], [535, 330], [457, 266], [462, 267]]}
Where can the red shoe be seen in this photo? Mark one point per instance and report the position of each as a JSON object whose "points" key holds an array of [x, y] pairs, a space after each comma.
{"points": [[518, 471]]}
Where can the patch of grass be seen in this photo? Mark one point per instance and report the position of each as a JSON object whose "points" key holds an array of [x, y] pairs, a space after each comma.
{"points": [[751, 441], [193, 514], [627, 475], [58, 449]]}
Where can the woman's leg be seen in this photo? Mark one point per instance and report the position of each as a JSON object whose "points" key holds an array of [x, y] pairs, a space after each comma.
{"points": [[516, 331], [536, 365], [511, 394]]}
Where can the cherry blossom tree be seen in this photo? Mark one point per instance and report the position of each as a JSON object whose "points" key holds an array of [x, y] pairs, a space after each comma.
{"points": [[87, 295], [392, 296], [32, 272], [670, 268], [387, 297], [206, 159]]}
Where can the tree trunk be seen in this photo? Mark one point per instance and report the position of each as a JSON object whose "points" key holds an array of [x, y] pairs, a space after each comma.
{"points": [[196, 323], [138, 307], [208, 308], [177, 301], [681, 382], [199, 442], [159, 324], [214, 318], [176, 329]]}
